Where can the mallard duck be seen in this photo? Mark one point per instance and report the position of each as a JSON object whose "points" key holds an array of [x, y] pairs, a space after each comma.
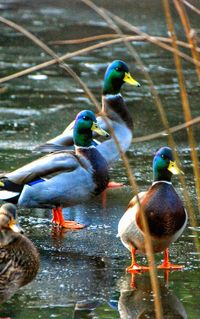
{"points": [[62, 178], [164, 211], [19, 258], [114, 107]]}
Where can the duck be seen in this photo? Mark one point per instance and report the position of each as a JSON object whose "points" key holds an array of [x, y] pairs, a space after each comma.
{"points": [[63, 178], [116, 111], [164, 212], [19, 258]]}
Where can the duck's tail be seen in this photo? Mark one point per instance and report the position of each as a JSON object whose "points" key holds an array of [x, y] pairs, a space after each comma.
{"points": [[9, 191]]}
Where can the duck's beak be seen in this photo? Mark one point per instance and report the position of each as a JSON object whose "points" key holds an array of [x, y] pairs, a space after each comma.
{"points": [[96, 128], [129, 79], [174, 169], [15, 227]]}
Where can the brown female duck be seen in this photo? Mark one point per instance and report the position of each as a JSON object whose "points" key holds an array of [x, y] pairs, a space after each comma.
{"points": [[19, 258]]}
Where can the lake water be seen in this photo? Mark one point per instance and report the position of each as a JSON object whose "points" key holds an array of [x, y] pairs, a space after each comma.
{"points": [[82, 274]]}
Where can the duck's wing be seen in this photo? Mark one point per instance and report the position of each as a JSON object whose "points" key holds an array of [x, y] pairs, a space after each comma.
{"points": [[127, 220], [44, 166], [140, 196], [109, 150], [4, 259], [64, 141]]}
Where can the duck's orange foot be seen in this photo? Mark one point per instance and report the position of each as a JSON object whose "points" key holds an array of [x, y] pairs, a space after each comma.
{"points": [[136, 268], [55, 219], [169, 266], [104, 195], [114, 185], [69, 224], [166, 263], [58, 219]]}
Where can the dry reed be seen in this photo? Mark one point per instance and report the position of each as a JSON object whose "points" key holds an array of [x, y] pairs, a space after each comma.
{"points": [[189, 5], [189, 32], [84, 51], [132, 38], [113, 22], [184, 98], [166, 125]]}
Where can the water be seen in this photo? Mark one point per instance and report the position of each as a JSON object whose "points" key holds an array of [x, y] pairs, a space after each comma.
{"points": [[82, 274]]}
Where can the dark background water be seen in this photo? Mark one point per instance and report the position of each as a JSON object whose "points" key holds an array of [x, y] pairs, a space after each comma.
{"points": [[82, 274]]}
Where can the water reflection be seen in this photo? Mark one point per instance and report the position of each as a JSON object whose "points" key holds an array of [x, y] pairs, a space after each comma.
{"points": [[138, 301], [7, 289], [85, 309]]}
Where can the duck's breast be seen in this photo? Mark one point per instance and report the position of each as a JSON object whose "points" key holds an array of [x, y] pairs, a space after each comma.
{"points": [[164, 211], [99, 164]]}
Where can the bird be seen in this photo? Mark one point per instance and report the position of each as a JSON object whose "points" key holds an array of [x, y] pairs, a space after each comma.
{"points": [[63, 178], [114, 108], [19, 258], [163, 209]]}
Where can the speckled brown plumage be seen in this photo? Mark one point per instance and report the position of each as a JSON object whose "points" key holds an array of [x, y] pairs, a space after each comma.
{"points": [[19, 258]]}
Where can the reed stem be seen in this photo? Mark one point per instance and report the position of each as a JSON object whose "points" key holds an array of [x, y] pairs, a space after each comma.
{"points": [[190, 34], [185, 101]]}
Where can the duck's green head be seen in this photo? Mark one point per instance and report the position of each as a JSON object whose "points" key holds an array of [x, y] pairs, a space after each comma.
{"points": [[116, 75], [8, 216], [164, 165], [85, 124]]}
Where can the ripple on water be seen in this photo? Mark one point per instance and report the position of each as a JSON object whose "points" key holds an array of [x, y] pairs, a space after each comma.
{"points": [[20, 111], [38, 77]]}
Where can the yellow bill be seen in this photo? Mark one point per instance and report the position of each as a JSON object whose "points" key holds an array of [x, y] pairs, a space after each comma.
{"points": [[15, 227], [129, 79], [96, 128], [174, 169]]}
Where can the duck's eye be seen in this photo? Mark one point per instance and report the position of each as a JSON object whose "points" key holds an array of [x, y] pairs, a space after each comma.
{"points": [[118, 69], [86, 118], [164, 156]]}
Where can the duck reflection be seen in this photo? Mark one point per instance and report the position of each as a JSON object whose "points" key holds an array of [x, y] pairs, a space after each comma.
{"points": [[138, 302], [85, 309]]}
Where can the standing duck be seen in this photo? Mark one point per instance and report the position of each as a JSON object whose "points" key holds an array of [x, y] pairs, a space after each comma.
{"points": [[114, 107], [19, 258], [62, 178], [163, 209]]}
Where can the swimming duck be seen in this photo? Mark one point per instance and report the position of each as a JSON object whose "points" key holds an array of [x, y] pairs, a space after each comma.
{"points": [[164, 211], [62, 178], [19, 258], [114, 107]]}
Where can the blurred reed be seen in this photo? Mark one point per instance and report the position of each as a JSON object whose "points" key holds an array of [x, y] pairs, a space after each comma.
{"points": [[192, 7], [114, 21], [107, 15], [129, 37], [185, 102], [189, 32]]}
